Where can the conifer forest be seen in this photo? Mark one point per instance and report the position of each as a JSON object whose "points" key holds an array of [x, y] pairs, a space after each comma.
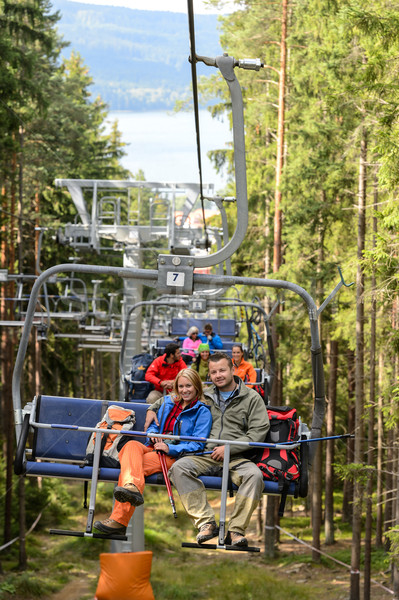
{"points": [[322, 157]]}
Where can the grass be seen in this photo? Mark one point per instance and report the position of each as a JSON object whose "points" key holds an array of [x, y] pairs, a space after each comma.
{"points": [[220, 578], [177, 573]]}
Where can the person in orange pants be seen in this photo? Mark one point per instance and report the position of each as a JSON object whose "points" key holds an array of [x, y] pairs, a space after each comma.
{"points": [[183, 413]]}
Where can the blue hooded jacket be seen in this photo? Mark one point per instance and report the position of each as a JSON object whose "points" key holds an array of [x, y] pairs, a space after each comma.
{"points": [[215, 343], [195, 421]]}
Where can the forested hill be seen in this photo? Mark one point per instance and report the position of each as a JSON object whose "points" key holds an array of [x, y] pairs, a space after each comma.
{"points": [[138, 59]]}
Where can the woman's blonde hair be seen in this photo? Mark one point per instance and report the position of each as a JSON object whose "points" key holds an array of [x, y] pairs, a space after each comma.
{"points": [[192, 330], [195, 379]]}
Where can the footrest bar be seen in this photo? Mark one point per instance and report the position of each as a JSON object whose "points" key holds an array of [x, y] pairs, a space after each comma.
{"points": [[89, 535], [220, 547]]}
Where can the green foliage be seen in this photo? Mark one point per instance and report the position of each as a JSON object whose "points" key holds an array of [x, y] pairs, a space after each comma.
{"points": [[393, 536], [355, 472], [26, 585]]}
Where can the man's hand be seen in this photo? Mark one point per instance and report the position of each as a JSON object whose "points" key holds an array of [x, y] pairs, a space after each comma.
{"points": [[218, 453], [149, 418], [167, 384]]}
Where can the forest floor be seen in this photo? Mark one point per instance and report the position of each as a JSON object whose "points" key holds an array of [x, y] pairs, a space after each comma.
{"points": [[292, 565], [68, 567], [320, 581]]}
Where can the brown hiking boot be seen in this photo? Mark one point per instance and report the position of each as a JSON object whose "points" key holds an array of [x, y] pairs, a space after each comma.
{"points": [[233, 538], [207, 532], [110, 527], [128, 493]]}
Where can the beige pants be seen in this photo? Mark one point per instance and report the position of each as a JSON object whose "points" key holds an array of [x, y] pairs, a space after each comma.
{"points": [[244, 473], [153, 396]]}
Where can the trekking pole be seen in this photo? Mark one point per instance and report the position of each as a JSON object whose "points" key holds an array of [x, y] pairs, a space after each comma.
{"points": [[164, 468]]}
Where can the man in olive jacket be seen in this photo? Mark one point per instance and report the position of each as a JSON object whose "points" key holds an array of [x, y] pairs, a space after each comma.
{"points": [[238, 413]]}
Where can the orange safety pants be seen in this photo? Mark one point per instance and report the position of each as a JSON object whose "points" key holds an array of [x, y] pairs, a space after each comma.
{"points": [[137, 461]]}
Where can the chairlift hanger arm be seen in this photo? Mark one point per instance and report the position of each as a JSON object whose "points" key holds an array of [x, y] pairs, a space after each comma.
{"points": [[226, 65], [334, 292], [190, 11]]}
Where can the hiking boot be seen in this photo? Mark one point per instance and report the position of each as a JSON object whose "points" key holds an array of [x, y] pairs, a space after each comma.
{"points": [[207, 532], [233, 538], [110, 527], [128, 493]]}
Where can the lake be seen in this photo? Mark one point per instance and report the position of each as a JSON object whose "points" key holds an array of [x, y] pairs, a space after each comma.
{"points": [[163, 145]]}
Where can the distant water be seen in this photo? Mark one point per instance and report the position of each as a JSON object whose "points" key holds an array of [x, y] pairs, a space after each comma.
{"points": [[163, 145]]}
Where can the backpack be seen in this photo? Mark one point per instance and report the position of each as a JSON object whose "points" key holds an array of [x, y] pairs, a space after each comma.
{"points": [[116, 418], [138, 369], [259, 389], [282, 466]]}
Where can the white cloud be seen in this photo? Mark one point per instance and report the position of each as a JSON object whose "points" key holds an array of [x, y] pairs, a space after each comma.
{"points": [[166, 5]]}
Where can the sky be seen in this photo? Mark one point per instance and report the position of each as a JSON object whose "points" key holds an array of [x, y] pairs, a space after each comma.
{"points": [[166, 5]]}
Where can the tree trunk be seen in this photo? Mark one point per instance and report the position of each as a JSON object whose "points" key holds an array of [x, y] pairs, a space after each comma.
{"points": [[316, 488], [317, 478], [395, 470], [395, 525], [20, 203], [266, 233], [359, 374], [380, 456], [389, 484], [347, 508], [370, 435], [113, 377], [330, 427], [277, 248], [270, 530], [8, 415], [23, 563]]}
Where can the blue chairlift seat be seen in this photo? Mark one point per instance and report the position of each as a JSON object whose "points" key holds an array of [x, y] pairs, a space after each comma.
{"points": [[58, 452]]}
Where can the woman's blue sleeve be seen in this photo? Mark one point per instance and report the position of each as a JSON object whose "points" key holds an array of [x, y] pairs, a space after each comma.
{"points": [[201, 428], [153, 429]]}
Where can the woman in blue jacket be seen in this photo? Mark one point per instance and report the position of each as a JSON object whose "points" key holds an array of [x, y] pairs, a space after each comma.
{"points": [[182, 413]]}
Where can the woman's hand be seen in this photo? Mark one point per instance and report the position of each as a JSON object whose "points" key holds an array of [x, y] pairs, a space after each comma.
{"points": [[162, 447], [154, 440]]}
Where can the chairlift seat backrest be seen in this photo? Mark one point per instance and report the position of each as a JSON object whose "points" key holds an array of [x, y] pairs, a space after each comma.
{"points": [[226, 328], [69, 444]]}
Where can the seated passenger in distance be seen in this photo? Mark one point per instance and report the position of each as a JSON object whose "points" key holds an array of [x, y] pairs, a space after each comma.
{"points": [[201, 362], [163, 370], [190, 344], [238, 413], [181, 413], [242, 368], [211, 338]]}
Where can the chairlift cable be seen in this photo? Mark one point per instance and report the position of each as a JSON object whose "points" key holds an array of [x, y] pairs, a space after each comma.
{"points": [[193, 61]]}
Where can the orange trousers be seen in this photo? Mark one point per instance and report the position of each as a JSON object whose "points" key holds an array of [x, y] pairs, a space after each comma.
{"points": [[137, 461]]}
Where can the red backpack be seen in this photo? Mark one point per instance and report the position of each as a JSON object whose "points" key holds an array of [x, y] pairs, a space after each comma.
{"points": [[282, 466]]}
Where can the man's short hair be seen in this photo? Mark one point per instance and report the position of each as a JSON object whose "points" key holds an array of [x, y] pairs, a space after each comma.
{"points": [[171, 349], [216, 356], [208, 326]]}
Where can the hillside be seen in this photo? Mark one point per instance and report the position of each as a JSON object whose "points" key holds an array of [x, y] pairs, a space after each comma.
{"points": [[138, 59]]}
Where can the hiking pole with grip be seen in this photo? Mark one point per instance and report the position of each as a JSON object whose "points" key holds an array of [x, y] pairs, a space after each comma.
{"points": [[164, 468]]}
